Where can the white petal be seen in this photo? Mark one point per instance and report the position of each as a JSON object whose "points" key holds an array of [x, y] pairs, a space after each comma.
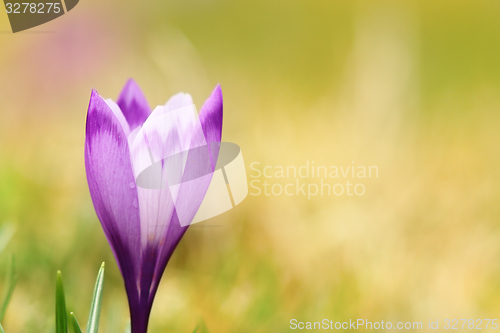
{"points": [[119, 115]]}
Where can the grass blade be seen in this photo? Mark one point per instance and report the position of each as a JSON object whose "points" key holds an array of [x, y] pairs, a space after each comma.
{"points": [[201, 327], [76, 326], [9, 287], [1, 329], [61, 318], [95, 306], [6, 233]]}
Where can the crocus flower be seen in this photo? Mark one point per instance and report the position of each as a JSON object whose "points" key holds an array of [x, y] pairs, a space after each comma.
{"points": [[144, 224]]}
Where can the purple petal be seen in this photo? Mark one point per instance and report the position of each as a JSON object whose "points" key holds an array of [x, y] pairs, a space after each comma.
{"points": [[112, 189], [201, 160], [211, 122], [133, 104], [159, 137], [211, 116], [173, 236], [172, 131], [191, 193]]}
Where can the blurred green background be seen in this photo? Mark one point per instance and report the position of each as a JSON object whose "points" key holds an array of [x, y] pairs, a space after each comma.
{"points": [[412, 87]]}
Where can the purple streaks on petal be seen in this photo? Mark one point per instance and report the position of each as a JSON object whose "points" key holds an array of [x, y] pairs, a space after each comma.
{"points": [[109, 175], [133, 104]]}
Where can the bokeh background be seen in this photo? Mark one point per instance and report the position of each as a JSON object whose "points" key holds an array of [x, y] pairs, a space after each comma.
{"points": [[412, 87]]}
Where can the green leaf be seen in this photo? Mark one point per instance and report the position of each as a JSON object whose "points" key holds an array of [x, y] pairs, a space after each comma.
{"points": [[76, 326], [1, 329], [9, 287], [95, 306], [61, 318]]}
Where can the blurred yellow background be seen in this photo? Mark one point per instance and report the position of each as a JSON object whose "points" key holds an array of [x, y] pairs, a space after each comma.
{"points": [[412, 87]]}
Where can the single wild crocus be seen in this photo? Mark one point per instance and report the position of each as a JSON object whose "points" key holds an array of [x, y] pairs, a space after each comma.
{"points": [[148, 173]]}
